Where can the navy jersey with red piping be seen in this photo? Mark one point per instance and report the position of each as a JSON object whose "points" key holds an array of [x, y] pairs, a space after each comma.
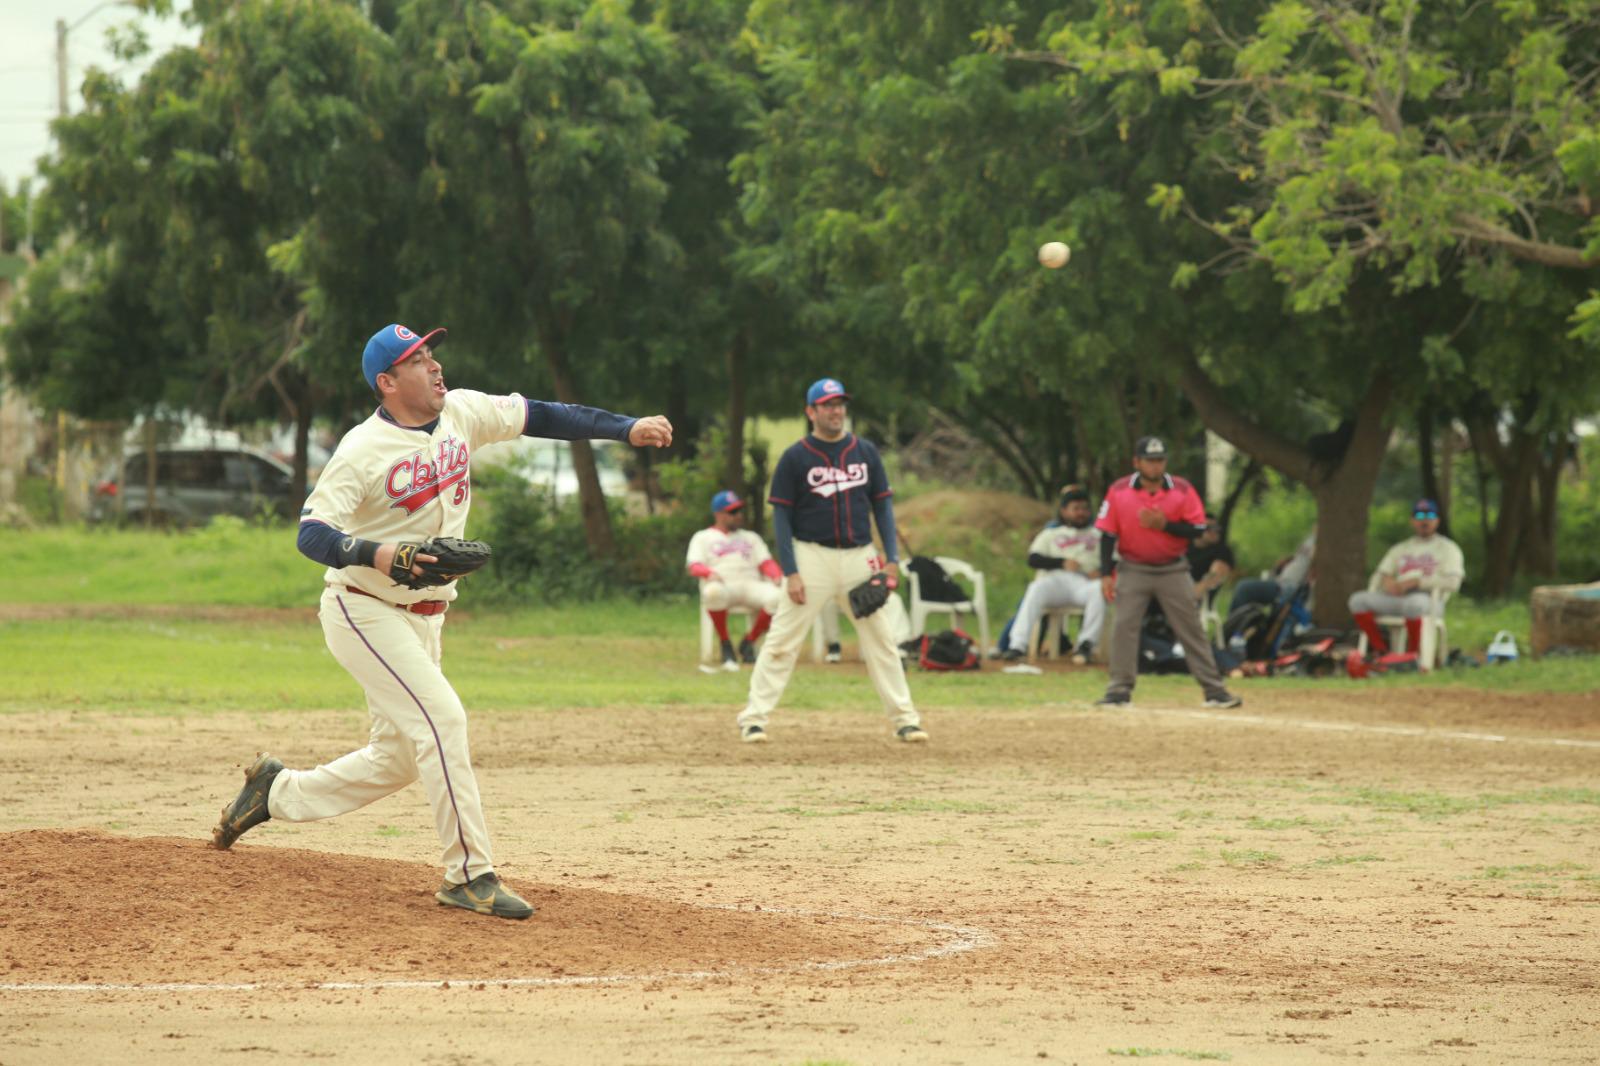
{"points": [[830, 488]]}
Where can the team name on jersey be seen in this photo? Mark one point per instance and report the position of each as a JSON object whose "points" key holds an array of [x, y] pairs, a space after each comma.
{"points": [[827, 480], [1423, 564], [1081, 539], [732, 546], [415, 480]]}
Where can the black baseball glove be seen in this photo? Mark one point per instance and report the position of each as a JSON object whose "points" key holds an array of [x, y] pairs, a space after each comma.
{"points": [[870, 595], [456, 558]]}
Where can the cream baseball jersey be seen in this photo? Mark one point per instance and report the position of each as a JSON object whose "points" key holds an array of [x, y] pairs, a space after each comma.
{"points": [[389, 483], [735, 557], [1081, 546], [1435, 561]]}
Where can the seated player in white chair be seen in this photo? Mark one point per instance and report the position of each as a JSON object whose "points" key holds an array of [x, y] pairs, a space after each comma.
{"points": [[1067, 558], [735, 569], [1405, 581]]}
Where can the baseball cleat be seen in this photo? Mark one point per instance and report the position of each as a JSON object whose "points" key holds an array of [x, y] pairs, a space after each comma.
{"points": [[1013, 655], [1083, 654], [747, 651], [912, 734], [730, 658], [753, 734], [485, 894], [835, 654], [1114, 699], [249, 808], [1223, 700]]}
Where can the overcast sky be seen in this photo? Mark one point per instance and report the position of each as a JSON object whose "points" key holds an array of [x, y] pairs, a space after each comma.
{"points": [[28, 67]]}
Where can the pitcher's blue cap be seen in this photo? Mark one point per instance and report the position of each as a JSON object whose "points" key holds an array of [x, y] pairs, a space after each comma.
{"points": [[825, 389], [1425, 508], [391, 344], [726, 500]]}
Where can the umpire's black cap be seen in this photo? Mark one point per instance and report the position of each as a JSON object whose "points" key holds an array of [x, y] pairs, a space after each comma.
{"points": [[1150, 448]]}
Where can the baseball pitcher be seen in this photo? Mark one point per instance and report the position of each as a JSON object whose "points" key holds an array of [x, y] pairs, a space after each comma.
{"points": [[396, 482]]}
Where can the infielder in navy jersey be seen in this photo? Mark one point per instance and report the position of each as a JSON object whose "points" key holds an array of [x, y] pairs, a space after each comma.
{"points": [[826, 491]]}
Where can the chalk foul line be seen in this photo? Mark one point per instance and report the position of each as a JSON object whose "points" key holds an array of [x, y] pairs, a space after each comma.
{"points": [[962, 939]]}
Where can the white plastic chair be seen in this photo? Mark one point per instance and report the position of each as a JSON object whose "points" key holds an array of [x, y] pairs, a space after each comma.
{"points": [[978, 605], [1053, 620], [708, 633], [1435, 642]]}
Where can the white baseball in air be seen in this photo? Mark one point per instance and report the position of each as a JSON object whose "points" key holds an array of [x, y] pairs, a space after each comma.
{"points": [[1054, 254]]}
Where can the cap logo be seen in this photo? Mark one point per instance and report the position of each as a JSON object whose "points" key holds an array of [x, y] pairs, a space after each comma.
{"points": [[404, 334], [1155, 445]]}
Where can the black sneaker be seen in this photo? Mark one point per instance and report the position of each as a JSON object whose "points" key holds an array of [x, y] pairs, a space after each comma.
{"points": [[249, 808], [1083, 654], [1013, 655], [747, 651], [730, 658], [1114, 699], [912, 734], [753, 734], [1223, 699], [485, 894], [835, 654]]}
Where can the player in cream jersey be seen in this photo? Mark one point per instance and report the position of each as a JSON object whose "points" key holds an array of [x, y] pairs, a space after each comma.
{"points": [[1407, 577], [735, 569], [404, 475], [1067, 560]]}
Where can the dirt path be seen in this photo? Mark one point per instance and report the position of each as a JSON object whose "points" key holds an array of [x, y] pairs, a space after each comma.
{"points": [[1260, 887]]}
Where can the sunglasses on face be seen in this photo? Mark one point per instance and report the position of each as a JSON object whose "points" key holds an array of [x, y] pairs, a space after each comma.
{"points": [[1425, 515]]}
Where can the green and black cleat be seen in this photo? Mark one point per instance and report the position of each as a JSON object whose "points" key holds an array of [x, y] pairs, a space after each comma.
{"points": [[249, 808], [485, 894]]}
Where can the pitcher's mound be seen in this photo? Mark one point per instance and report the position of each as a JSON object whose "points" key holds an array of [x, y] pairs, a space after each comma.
{"points": [[86, 907]]}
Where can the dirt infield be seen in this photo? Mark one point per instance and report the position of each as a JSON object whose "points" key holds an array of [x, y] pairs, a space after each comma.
{"points": [[1415, 877]]}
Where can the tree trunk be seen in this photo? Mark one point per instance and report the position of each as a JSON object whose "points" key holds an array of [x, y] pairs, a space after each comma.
{"points": [[1342, 486], [591, 501], [733, 460], [1539, 527], [1430, 478]]}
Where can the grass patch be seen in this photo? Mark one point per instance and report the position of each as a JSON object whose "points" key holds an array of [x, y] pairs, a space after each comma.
{"points": [[1347, 860], [900, 806], [1177, 1053], [1247, 857], [1442, 805], [1152, 834]]}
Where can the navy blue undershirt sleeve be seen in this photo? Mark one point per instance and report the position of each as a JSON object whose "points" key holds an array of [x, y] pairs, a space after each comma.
{"points": [[783, 536], [1108, 553], [883, 511], [570, 421], [323, 544], [1185, 530], [785, 482], [1045, 562]]}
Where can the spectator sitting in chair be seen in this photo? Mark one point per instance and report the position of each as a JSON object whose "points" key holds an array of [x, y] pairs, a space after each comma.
{"points": [[1406, 578], [1210, 562], [1288, 575], [1067, 558], [735, 570]]}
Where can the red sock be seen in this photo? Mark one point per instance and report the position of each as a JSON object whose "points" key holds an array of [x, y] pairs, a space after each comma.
{"points": [[720, 620], [1414, 635], [763, 620], [1368, 623]]}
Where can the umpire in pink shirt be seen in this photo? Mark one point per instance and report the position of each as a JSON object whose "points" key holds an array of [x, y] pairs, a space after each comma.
{"points": [[1148, 521]]}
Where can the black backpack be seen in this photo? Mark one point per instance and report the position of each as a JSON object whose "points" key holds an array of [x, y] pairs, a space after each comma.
{"points": [[936, 585], [948, 650]]}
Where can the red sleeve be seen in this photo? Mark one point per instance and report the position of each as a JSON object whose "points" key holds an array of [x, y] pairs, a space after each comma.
{"points": [[771, 569], [1107, 521], [700, 570], [1194, 512]]}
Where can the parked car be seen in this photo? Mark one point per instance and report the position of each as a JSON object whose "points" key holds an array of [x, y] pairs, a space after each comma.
{"points": [[193, 485]]}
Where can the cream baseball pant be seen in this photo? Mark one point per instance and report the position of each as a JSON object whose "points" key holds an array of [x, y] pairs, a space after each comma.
{"points": [[758, 595], [419, 731], [1415, 604], [1060, 588], [828, 574]]}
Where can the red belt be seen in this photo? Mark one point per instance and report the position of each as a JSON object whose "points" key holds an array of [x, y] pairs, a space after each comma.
{"points": [[424, 607]]}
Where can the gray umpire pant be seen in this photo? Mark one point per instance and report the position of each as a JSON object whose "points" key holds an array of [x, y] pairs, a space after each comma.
{"points": [[1170, 586]]}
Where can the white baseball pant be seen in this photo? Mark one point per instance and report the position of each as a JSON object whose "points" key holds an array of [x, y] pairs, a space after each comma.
{"points": [[1060, 588], [759, 595], [419, 730], [829, 574], [1418, 604]]}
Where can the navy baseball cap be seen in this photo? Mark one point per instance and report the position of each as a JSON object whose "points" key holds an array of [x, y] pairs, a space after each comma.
{"points": [[825, 389], [1149, 448], [1425, 508], [391, 344], [726, 500]]}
